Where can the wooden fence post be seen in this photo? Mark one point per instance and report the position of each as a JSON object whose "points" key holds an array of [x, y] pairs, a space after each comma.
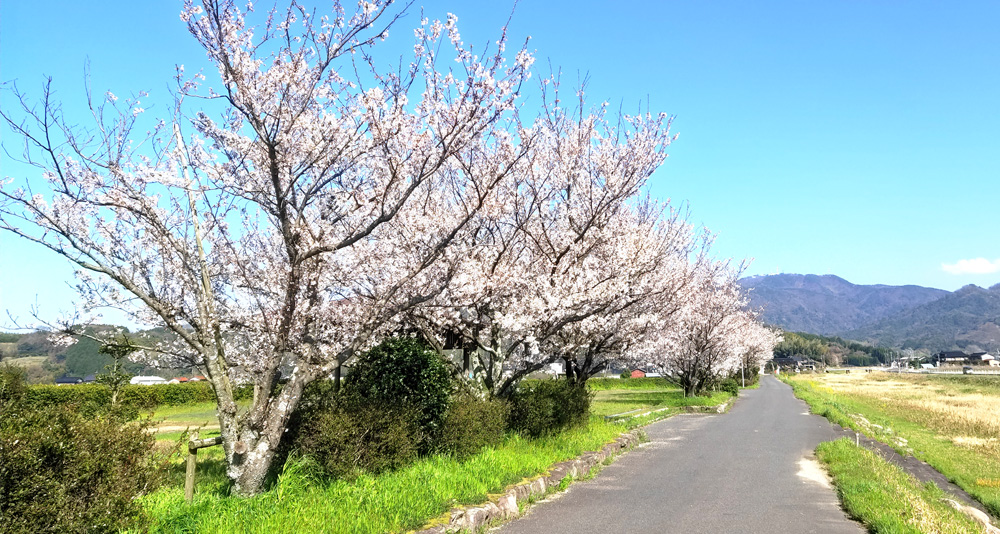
{"points": [[192, 462]]}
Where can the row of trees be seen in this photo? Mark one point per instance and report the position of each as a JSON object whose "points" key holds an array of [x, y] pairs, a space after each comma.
{"points": [[318, 203], [834, 350]]}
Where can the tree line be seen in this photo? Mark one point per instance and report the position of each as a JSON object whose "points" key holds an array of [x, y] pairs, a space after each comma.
{"points": [[321, 203], [833, 350]]}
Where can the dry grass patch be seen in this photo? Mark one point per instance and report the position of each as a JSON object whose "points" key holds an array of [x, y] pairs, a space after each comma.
{"points": [[954, 410], [951, 422]]}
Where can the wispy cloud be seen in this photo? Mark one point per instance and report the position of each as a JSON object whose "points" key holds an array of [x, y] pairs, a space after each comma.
{"points": [[973, 266]]}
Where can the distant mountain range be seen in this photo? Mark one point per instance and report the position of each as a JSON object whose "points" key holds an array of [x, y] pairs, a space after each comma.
{"points": [[896, 316]]}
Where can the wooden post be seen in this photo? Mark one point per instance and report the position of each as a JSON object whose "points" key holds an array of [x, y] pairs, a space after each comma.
{"points": [[193, 445], [336, 379], [192, 464]]}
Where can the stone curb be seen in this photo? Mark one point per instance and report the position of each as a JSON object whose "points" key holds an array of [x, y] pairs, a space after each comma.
{"points": [[506, 506]]}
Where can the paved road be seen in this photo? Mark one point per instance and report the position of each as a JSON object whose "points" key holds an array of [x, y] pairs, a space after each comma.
{"points": [[741, 472]]}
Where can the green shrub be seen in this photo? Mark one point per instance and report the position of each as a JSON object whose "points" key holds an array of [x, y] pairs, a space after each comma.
{"points": [[12, 387], [405, 371], [64, 471], [547, 406], [472, 423], [731, 386], [349, 436]]}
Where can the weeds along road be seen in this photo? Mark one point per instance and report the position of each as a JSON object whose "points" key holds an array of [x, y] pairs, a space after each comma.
{"points": [[748, 471]]}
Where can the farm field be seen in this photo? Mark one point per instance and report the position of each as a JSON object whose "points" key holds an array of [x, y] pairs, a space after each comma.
{"points": [[950, 422], [391, 501], [25, 360]]}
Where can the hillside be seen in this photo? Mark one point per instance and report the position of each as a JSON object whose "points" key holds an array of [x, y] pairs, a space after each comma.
{"points": [[967, 318], [828, 304], [44, 361]]}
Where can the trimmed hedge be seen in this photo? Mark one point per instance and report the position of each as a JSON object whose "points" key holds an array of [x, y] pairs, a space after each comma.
{"points": [[132, 396]]}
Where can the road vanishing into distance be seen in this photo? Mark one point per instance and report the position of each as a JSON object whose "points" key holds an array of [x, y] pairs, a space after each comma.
{"points": [[749, 471]]}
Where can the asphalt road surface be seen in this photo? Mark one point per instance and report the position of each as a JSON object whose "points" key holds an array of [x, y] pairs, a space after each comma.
{"points": [[749, 471]]}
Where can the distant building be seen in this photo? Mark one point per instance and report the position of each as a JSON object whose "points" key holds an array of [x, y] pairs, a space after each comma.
{"points": [[983, 358], [68, 380], [147, 380], [959, 358]]}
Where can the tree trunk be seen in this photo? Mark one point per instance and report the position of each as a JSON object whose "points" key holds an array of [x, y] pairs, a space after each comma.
{"points": [[251, 441]]}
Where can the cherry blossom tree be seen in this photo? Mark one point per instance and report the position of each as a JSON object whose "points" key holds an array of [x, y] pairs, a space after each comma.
{"points": [[286, 225], [651, 260], [539, 262], [708, 338], [754, 345]]}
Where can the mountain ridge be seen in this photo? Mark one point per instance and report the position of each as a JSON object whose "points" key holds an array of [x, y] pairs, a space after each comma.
{"points": [[828, 304], [908, 316]]}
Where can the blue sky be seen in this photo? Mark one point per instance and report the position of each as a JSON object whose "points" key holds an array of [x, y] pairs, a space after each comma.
{"points": [[855, 138]]}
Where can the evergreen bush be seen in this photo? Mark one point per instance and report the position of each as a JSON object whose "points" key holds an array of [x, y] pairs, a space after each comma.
{"points": [[543, 407], [136, 397], [472, 423], [346, 435], [731, 386], [406, 372], [62, 470]]}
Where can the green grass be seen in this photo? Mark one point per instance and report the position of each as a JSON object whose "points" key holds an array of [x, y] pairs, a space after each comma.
{"points": [[910, 432], [610, 402], [390, 502], [199, 416], [601, 384], [619, 395], [201, 411], [886, 499]]}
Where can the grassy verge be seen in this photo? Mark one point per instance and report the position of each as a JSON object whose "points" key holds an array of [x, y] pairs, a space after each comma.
{"points": [[644, 400], [886, 499], [926, 418], [393, 501]]}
